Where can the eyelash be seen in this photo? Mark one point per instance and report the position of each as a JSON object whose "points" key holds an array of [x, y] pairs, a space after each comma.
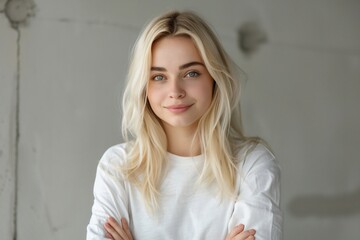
{"points": [[187, 75], [154, 78], [193, 72]]}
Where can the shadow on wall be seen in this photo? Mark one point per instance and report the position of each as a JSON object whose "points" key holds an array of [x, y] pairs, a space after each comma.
{"points": [[326, 206]]}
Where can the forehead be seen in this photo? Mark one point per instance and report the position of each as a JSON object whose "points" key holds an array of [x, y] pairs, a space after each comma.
{"points": [[174, 50]]}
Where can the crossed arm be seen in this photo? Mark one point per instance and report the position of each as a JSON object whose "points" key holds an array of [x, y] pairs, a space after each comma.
{"points": [[257, 205], [121, 231]]}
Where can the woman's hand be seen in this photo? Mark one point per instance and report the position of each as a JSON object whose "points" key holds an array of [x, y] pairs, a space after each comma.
{"points": [[115, 231], [238, 233]]}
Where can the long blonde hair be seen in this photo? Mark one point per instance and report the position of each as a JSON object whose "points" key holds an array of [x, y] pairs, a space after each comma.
{"points": [[219, 130]]}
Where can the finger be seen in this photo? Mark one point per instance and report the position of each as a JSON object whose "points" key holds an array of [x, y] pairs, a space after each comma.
{"points": [[236, 230], [119, 231], [250, 238], [125, 226], [108, 235], [111, 231], [245, 234]]}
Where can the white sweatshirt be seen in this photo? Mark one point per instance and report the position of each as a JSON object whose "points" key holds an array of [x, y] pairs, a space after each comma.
{"points": [[188, 211]]}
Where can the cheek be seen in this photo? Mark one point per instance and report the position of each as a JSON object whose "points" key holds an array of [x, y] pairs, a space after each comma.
{"points": [[150, 95], [151, 101], [206, 92], [153, 98]]}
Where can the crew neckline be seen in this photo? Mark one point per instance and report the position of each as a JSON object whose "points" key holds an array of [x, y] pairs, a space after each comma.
{"points": [[184, 160]]}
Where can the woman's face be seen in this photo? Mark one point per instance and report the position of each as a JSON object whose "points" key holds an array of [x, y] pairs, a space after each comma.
{"points": [[180, 87]]}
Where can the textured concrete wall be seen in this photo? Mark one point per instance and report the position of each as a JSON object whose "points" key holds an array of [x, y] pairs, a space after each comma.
{"points": [[8, 83], [301, 95]]}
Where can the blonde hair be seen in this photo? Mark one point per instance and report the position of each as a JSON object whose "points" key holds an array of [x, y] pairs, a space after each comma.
{"points": [[219, 130]]}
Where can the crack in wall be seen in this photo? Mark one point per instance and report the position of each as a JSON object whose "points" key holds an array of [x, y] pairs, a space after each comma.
{"points": [[17, 131], [17, 12]]}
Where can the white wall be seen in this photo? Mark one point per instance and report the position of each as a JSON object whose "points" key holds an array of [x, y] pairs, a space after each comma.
{"points": [[302, 96]]}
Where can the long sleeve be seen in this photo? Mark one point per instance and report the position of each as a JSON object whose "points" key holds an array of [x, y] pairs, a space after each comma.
{"points": [[109, 195], [258, 203]]}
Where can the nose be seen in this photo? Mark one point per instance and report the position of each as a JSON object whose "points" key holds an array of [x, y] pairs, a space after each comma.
{"points": [[176, 91]]}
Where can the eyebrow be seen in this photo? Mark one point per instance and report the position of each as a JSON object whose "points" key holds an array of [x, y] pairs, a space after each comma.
{"points": [[184, 66]]}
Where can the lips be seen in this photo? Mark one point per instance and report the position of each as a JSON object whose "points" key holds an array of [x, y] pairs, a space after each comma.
{"points": [[178, 108]]}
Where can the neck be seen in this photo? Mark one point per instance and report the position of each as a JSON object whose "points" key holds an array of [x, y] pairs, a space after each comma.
{"points": [[181, 141]]}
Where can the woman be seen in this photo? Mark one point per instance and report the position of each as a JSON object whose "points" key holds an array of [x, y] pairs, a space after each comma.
{"points": [[186, 170]]}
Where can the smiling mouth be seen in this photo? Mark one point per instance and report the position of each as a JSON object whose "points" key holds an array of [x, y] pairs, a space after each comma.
{"points": [[178, 108]]}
